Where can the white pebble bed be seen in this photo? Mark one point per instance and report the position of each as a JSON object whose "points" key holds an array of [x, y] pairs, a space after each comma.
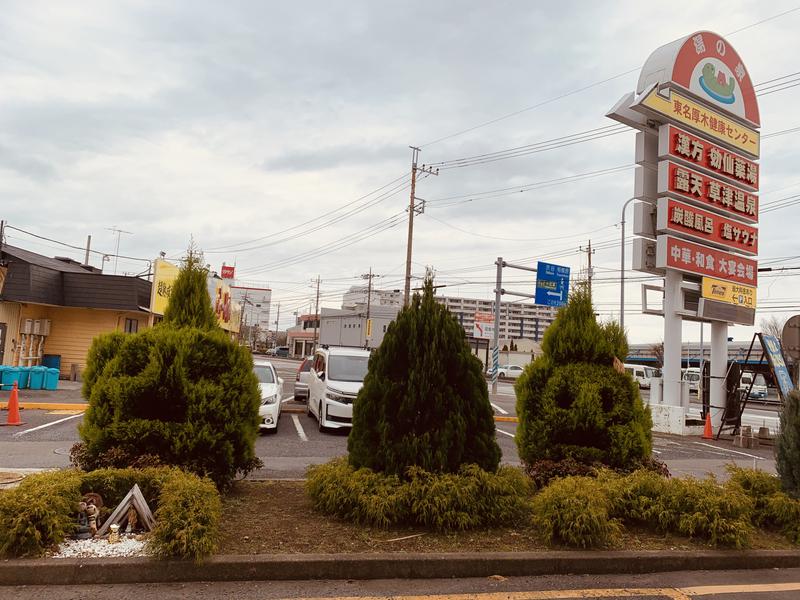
{"points": [[99, 547]]}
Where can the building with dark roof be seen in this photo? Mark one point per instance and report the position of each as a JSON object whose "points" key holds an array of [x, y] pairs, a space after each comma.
{"points": [[57, 306]]}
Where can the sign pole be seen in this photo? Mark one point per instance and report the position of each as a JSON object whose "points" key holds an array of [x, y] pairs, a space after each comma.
{"points": [[719, 369], [498, 294], [672, 339]]}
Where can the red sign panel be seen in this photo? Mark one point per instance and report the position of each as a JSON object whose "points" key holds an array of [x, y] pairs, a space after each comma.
{"points": [[675, 253], [678, 143], [686, 220], [707, 191], [227, 272], [707, 65]]}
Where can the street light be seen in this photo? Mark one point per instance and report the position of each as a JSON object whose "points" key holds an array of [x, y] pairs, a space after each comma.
{"points": [[622, 267]]}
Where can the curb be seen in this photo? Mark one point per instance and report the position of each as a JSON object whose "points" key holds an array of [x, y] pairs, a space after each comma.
{"points": [[48, 405], [297, 567]]}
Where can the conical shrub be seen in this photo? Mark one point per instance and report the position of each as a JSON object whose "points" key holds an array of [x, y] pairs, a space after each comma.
{"points": [[424, 401], [573, 403], [182, 393]]}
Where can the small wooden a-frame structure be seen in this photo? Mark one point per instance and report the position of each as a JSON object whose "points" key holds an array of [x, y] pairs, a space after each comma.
{"points": [[135, 499]]}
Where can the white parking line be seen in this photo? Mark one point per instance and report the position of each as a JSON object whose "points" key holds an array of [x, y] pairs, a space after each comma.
{"points": [[729, 450], [21, 433], [504, 432], [299, 428], [289, 399], [498, 409]]}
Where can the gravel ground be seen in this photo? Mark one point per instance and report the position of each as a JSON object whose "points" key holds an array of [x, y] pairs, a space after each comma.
{"points": [[129, 545]]}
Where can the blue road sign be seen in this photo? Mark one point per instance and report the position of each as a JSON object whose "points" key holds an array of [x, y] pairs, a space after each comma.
{"points": [[552, 284]]}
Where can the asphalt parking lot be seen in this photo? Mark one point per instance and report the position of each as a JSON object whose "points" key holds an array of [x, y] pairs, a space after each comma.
{"points": [[46, 437]]}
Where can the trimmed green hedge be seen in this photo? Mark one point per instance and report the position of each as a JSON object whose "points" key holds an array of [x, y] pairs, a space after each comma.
{"points": [[468, 499], [580, 511], [40, 513]]}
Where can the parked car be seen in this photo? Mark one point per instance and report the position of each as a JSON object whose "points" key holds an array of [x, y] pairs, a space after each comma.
{"points": [[282, 351], [692, 375], [509, 372], [336, 376], [302, 378], [759, 389], [642, 375], [271, 391]]}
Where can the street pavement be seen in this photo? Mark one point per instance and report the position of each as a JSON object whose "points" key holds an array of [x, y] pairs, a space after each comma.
{"points": [[772, 584], [44, 441]]}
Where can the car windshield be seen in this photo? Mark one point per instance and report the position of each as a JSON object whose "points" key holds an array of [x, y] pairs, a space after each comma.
{"points": [[692, 377], [760, 380], [348, 368], [264, 374], [306, 366]]}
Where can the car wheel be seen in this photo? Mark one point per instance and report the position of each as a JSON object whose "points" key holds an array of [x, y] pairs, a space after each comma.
{"points": [[501, 376], [308, 410], [319, 419]]}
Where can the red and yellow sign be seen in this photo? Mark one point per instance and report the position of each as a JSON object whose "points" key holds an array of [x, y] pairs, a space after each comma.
{"points": [[683, 255], [708, 66], [681, 109], [707, 227], [729, 292], [706, 191], [674, 142]]}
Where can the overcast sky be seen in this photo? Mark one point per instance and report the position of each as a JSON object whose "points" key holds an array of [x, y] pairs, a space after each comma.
{"points": [[244, 124]]}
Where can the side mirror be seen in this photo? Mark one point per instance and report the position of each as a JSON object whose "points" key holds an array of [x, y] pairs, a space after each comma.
{"points": [[280, 382]]}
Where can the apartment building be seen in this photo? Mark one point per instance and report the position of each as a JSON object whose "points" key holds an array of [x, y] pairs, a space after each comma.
{"points": [[518, 320]]}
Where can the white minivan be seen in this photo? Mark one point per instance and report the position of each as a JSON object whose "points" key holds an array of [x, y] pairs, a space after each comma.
{"points": [[336, 376], [642, 375]]}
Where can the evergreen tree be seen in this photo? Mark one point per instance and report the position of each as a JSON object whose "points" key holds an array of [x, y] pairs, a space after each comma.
{"points": [[787, 448], [424, 401], [181, 393], [189, 303], [572, 403]]}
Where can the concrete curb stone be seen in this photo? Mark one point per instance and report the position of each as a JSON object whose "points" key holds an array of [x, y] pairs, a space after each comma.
{"points": [[84, 571]]}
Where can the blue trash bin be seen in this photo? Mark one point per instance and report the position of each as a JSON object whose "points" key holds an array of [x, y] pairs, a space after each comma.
{"points": [[37, 377], [51, 361], [10, 376], [51, 379], [24, 377]]}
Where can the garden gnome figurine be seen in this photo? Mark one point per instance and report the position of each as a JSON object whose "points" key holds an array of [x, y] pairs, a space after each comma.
{"points": [[91, 512], [133, 518], [82, 531]]}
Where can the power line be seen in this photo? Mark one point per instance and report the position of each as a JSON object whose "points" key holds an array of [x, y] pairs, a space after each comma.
{"points": [[74, 247]]}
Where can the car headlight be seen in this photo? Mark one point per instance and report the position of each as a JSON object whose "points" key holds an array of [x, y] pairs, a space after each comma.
{"points": [[337, 397], [270, 399]]}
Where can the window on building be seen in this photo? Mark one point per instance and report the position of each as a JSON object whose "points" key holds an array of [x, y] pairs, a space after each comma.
{"points": [[131, 325]]}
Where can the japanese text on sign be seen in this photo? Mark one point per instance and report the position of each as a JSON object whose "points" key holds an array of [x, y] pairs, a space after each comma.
{"points": [[690, 148], [729, 292], [688, 112], [708, 227], [694, 258], [709, 191]]}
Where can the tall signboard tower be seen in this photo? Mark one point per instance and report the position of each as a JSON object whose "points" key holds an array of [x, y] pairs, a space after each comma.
{"points": [[696, 210]]}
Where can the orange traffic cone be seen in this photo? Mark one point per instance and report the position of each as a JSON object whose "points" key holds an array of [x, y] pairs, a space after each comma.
{"points": [[707, 433], [13, 408]]}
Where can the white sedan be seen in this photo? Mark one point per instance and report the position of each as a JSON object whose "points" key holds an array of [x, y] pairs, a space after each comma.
{"points": [[509, 372], [271, 390]]}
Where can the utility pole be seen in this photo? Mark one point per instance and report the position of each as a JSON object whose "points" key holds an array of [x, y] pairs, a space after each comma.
{"points": [[369, 276], [412, 209], [589, 253], [88, 249], [278, 319], [316, 317], [119, 232], [2, 234]]}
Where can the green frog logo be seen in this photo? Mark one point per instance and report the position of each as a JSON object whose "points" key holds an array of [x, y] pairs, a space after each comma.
{"points": [[717, 85]]}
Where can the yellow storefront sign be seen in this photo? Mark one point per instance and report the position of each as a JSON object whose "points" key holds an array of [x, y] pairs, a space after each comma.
{"points": [[685, 111], [729, 292], [164, 275]]}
